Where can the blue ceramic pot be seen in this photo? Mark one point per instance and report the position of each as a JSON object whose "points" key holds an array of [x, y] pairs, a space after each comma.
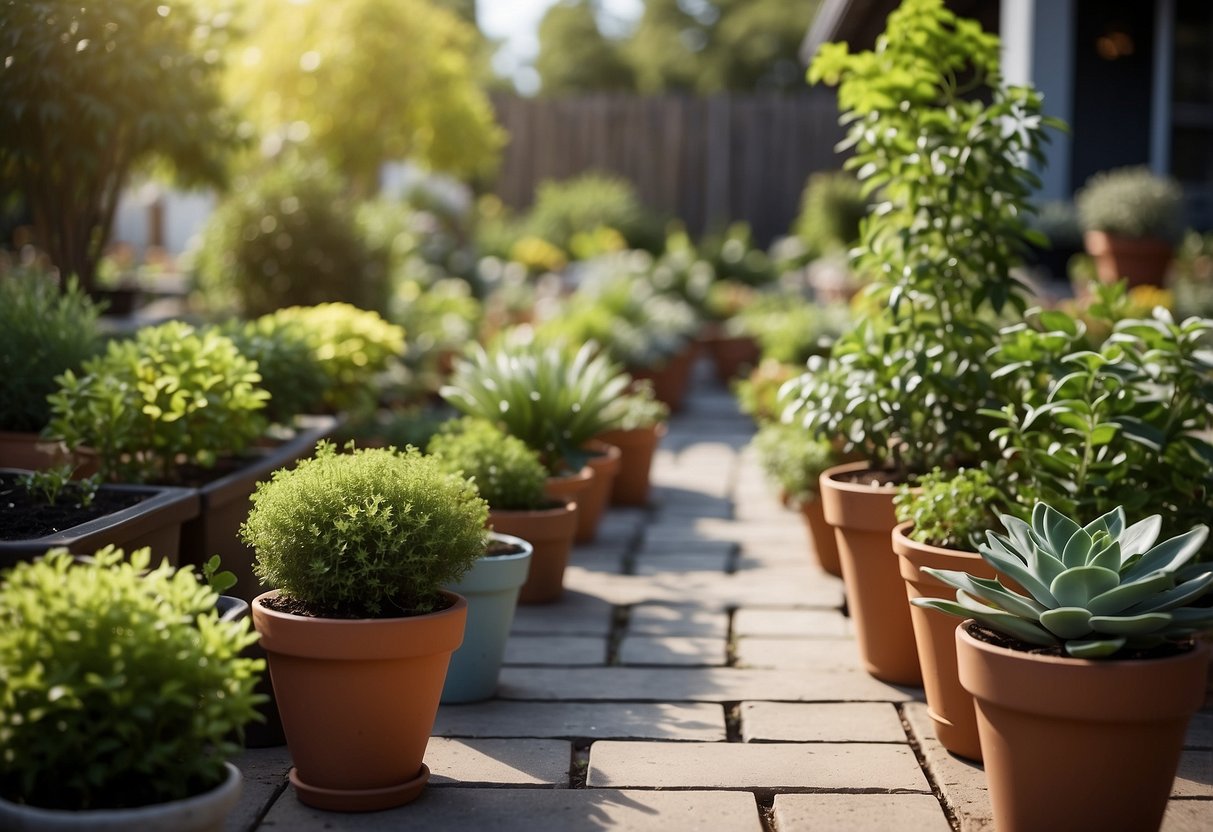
{"points": [[491, 589]]}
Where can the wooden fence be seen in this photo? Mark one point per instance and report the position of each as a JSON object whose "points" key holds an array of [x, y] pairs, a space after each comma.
{"points": [[708, 161]]}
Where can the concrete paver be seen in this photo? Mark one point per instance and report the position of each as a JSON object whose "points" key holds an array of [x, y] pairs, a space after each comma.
{"points": [[672, 650], [514, 762], [559, 650], [790, 623], [825, 654], [859, 813], [586, 720], [826, 722], [677, 620]]}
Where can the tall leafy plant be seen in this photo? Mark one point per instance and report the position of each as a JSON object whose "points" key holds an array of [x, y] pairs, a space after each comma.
{"points": [[940, 144]]}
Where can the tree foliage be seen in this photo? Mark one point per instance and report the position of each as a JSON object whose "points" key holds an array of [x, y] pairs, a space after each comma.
{"points": [[367, 81], [574, 54]]}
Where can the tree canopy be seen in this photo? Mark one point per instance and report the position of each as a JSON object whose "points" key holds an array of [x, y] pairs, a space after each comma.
{"points": [[574, 54]]}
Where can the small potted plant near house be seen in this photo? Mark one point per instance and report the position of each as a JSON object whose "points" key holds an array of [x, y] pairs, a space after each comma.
{"points": [[640, 422], [1085, 681], [794, 460], [1132, 219], [942, 521], [124, 694], [360, 632], [510, 478], [44, 331], [553, 401]]}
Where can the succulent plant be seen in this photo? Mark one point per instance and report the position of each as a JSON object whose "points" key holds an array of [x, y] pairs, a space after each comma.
{"points": [[1092, 590]]}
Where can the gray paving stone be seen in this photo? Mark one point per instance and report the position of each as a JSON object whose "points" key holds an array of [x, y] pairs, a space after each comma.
{"points": [[676, 620], [683, 562], [535, 810], [1188, 816], [515, 762], [672, 650], [962, 783], [833, 722], [575, 614], [859, 813], [824, 654], [706, 684], [556, 650], [781, 587], [265, 772], [1200, 731], [790, 623], [688, 545], [1195, 775], [743, 766], [583, 720]]}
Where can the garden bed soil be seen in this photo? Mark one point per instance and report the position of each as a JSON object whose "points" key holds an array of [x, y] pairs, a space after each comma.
{"points": [[26, 516]]}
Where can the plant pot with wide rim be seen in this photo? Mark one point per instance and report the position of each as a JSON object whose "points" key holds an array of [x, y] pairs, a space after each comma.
{"points": [[637, 448], [1143, 261], [733, 356], [358, 699], [550, 532], [821, 535], [570, 488], [1079, 743], [672, 379], [206, 812], [863, 519], [491, 589], [605, 462], [949, 705], [153, 516]]}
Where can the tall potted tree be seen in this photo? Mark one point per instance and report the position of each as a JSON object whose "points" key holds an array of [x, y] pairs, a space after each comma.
{"points": [[1094, 664], [905, 386], [360, 632]]}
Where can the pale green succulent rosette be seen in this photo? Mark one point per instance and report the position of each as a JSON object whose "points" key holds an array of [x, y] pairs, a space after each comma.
{"points": [[1092, 590]]}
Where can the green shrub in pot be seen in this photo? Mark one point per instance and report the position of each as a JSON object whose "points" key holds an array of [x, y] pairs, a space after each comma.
{"points": [[169, 397], [286, 362], [1132, 202], [120, 686], [637, 409], [793, 458], [507, 473], [951, 509]]}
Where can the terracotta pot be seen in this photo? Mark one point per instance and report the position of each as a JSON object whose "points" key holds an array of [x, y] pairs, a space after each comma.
{"points": [[1142, 261], [670, 381], [733, 356], [358, 699], [206, 812], [550, 531], [821, 535], [155, 521], [1078, 744], [863, 519], [949, 705], [605, 465], [637, 447], [31, 452], [572, 488]]}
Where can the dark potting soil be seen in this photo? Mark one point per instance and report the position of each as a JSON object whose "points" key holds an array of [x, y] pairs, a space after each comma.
{"points": [[878, 479], [498, 549], [25, 516], [1162, 651], [291, 606]]}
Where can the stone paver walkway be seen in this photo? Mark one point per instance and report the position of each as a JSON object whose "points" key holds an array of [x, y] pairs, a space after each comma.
{"points": [[697, 675]]}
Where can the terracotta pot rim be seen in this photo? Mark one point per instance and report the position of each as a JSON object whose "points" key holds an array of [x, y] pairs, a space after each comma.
{"points": [[601, 448], [459, 602], [830, 476], [566, 507], [1103, 240], [585, 473], [901, 541], [657, 429]]}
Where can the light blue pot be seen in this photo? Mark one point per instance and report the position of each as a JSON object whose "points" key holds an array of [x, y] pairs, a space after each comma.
{"points": [[491, 589]]}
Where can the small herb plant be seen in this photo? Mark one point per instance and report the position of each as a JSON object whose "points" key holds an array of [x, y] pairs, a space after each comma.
{"points": [[951, 509], [638, 409], [43, 332], [506, 472], [119, 684], [1093, 590], [793, 458], [370, 533], [1132, 202], [53, 483], [171, 395], [550, 400]]}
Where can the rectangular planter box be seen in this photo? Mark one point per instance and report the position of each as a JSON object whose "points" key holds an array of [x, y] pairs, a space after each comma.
{"points": [[156, 521]]}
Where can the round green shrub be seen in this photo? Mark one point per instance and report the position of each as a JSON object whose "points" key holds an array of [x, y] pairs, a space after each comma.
{"points": [[296, 381], [793, 458], [507, 473], [588, 202], [289, 237], [831, 209], [170, 396], [1132, 202], [952, 509], [43, 332], [119, 686], [371, 533]]}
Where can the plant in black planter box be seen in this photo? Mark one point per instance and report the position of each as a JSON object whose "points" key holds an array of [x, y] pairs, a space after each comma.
{"points": [[121, 689]]}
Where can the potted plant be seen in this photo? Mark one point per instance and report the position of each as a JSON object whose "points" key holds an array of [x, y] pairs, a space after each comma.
{"points": [[795, 460], [47, 509], [124, 694], [729, 339], [360, 632], [941, 521], [1092, 666], [905, 385], [44, 331], [554, 402], [1131, 219], [640, 422]]}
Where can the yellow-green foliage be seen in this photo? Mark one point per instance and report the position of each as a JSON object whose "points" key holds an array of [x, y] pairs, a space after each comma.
{"points": [[119, 686], [507, 473], [376, 532]]}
